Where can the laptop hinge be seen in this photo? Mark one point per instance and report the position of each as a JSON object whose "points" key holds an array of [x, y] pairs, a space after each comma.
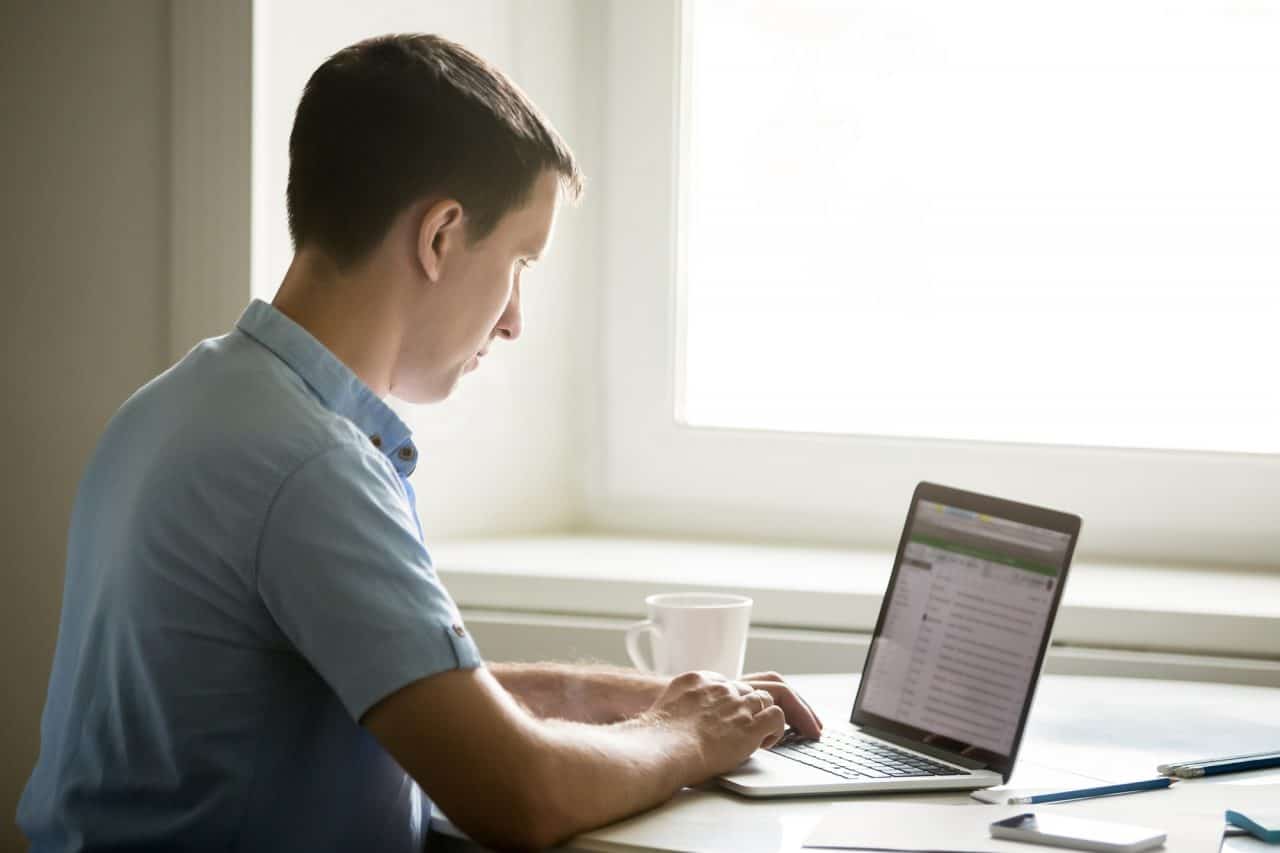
{"points": [[935, 752]]}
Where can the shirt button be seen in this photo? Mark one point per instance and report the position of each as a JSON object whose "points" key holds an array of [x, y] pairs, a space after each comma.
{"points": [[376, 439], [459, 630], [406, 453]]}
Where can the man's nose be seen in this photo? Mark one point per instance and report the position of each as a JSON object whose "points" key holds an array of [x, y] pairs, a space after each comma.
{"points": [[510, 323]]}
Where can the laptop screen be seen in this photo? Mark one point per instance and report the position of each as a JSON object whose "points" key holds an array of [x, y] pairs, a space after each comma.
{"points": [[961, 635]]}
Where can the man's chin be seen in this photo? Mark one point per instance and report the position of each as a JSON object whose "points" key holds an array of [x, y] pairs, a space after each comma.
{"points": [[435, 388], [424, 395]]}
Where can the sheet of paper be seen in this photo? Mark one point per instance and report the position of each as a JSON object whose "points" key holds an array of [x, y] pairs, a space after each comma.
{"points": [[911, 826], [709, 821], [1191, 815], [1246, 844]]}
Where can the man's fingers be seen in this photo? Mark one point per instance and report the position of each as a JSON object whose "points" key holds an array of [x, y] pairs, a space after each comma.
{"points": [[773, 676], [770, 724], [812, 712], [759, 700], [797, 711], [771, 741], [756, 699]]}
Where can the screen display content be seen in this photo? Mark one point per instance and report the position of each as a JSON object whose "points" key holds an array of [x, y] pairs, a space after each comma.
{"points": [[958, 648]]}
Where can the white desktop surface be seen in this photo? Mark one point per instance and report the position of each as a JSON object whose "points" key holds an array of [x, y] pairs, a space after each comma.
{"points": [[1081, 731]]}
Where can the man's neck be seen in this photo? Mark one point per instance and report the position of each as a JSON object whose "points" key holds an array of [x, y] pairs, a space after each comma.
{"points": [[350, 312]]}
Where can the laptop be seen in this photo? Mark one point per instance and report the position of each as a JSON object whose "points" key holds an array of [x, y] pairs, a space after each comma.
{"points": [[954, 659]]}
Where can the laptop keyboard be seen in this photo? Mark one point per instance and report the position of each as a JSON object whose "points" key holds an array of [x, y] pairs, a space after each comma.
{"points": [[852, 756]]}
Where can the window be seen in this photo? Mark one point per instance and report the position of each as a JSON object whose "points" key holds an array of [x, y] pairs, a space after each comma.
{"points": [[996, 220], [1011, 247]]}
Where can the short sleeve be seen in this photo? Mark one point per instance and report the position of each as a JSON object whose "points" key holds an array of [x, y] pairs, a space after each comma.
{"points": [[343, 573]]}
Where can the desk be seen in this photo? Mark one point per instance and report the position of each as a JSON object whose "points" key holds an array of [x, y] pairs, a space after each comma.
{"points": [[1082, 731]]}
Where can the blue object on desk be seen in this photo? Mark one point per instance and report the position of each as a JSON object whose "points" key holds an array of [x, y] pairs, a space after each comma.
{"points": [[1104, 791], [1172, 768], [1227, 766], [1271, 834]]}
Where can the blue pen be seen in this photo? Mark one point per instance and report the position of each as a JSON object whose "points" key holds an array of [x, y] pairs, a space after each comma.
{"points": [[1168, 769], [1227, 767], [1104, 791]]}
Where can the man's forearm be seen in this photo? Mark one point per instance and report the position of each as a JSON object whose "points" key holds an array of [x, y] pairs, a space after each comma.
{"points": [[592, 693], [605, 773]]}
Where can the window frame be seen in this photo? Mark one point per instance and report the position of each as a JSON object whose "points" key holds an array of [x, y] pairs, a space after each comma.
{"points": [[653, 474]]}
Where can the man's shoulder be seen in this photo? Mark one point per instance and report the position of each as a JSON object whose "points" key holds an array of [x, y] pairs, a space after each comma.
{"points": [[215, 438], [232, 398]]}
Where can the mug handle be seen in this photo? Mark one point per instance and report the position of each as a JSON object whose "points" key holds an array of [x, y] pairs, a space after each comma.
{"points": [[633, 643]]}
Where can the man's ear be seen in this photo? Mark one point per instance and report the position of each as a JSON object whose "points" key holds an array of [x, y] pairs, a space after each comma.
{"points": [[440, 233]]}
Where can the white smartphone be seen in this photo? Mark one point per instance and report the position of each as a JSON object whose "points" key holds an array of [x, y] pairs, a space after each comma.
{"points": [[1078, 833]]}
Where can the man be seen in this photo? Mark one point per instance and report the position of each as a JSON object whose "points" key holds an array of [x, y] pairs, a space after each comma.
{"points": [[254, 647]]}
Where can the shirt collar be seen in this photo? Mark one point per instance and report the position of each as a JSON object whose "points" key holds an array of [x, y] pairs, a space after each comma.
{"points": [[336, 386]]}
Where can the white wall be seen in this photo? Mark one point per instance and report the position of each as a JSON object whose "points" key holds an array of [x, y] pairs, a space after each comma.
{"points": [[210, 162], [99, 159], [83, 299], [503, 455]]}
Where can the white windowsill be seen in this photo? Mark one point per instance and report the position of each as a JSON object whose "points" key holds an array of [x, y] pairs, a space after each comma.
{"points": [[1184, 610]]}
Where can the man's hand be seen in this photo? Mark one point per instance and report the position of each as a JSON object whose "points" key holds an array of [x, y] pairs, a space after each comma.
{"points": [[721, 724], [703, 705], [800, 716]]}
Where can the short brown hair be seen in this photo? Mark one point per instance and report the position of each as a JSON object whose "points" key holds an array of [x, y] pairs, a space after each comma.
{"points": [[393, 119]]}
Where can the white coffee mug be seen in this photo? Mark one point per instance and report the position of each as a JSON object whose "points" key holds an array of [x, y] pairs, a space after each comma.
{"points": [[693, 630]]}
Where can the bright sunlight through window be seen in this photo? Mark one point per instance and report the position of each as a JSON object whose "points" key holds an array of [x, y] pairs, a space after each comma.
{"points": [[1004, 221]]}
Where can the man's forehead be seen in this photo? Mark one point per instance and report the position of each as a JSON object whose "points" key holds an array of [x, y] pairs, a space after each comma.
{"points": [[540, 214]]}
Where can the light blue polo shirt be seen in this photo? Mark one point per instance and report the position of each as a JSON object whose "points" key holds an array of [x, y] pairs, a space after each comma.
{"points": [[245, 578]]}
